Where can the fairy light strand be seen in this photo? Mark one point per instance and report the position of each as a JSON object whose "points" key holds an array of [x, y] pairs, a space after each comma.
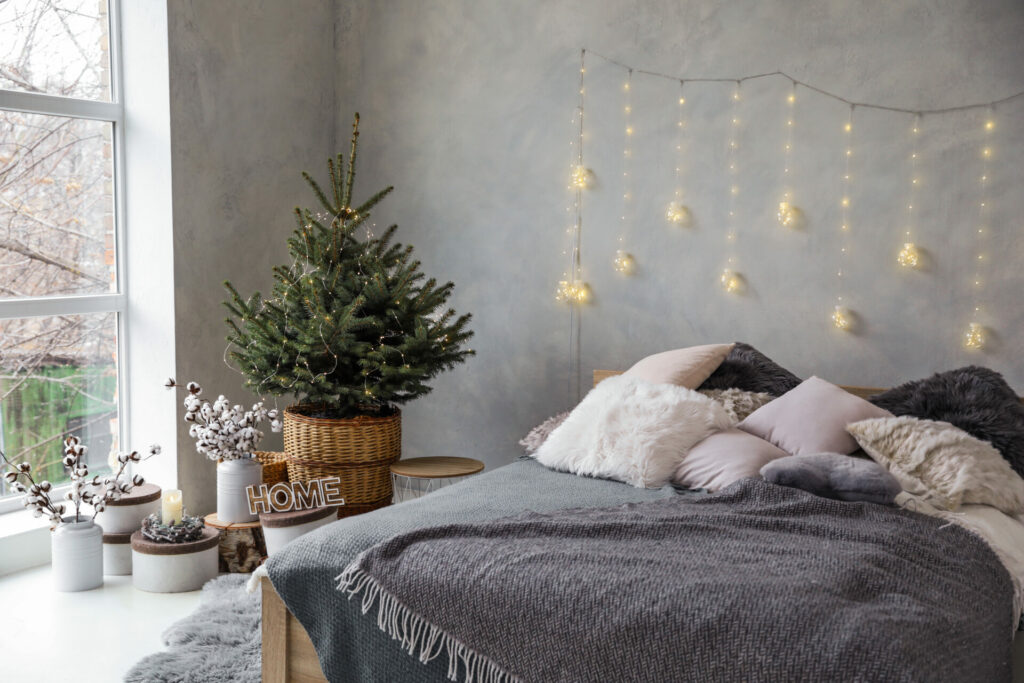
{"points": [[677, 213], [623, 261], [730, 279], [788, 214], [975, 335], [842, 318], [909, 256]]}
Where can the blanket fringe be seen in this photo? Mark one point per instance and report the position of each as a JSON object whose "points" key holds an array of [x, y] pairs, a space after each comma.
{"points": [[418, 637]]}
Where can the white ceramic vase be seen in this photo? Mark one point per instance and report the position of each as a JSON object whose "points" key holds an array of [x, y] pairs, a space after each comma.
{"points": [[77, 555], [233, 477]]}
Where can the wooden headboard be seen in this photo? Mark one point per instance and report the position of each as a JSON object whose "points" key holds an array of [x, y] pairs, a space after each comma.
{"points": [[863, 392]]}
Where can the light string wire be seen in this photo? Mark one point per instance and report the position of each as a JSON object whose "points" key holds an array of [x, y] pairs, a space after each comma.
{"points": [[975, 335], [821, 91], [577, 290], [624, 262], [731, 280], [908, 255], [787, 213], [842, 318], [677, 212]]}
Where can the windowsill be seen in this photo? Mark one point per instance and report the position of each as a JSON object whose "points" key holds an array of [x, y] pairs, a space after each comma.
{"points": [[24, 541], [19, 522]]}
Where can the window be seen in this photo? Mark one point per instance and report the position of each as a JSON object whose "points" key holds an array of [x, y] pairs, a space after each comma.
{"points": [[62, 278]]}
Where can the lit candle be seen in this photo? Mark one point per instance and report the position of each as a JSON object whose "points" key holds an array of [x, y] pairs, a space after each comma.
{"points": [[170, 510]]}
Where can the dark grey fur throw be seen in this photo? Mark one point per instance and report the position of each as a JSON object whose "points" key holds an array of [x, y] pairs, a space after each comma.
{"points": [[833, 475], [975, 399], [747, 368]]}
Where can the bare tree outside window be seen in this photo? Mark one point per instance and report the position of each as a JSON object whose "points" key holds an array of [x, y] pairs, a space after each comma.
{"points": [[58, 373]]}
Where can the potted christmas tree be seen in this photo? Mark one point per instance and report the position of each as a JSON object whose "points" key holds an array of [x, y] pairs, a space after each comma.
{"points": [[352, 329]]}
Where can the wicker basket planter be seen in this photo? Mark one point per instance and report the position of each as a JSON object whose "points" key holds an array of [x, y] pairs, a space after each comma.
{"points": [[357, 450], [275, 466]]}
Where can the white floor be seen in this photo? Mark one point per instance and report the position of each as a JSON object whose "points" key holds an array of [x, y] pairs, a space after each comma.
{"points": [[92, 636]]}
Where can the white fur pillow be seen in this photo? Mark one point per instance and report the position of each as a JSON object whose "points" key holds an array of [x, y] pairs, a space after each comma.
{"points": [[632, 430], [944, 464]]}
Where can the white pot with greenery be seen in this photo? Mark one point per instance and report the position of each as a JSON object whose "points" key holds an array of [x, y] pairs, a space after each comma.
{"points": [[228, 435], [77, 541]]}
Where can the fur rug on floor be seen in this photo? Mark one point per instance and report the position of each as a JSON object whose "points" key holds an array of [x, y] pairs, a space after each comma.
{"points": [[218, 642]]}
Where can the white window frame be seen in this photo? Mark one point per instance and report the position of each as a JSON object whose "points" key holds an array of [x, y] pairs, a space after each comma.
{"points": [[116, 302]]}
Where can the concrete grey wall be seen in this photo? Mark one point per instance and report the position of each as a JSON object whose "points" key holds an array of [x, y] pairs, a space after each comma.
{"points": [[466, 109], [252, 104]]}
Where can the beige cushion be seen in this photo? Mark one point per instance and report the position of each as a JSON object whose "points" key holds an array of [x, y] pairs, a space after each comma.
{"points": [[943, 464], [723, 458], [737, 402], [687, 367], [811, 418]]}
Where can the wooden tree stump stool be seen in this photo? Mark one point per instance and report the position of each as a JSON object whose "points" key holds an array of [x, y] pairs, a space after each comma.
{"points": [[241, 548]]}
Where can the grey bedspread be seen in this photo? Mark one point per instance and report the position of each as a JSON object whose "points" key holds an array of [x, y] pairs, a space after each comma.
{"points": [[351, 647], [757, 583]]}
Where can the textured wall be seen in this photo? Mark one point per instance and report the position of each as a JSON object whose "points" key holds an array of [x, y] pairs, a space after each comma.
{"points": [[252, 104], [466, 109]]}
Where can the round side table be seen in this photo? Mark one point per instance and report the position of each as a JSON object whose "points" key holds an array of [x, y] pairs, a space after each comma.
{"points": [[417, 477]]}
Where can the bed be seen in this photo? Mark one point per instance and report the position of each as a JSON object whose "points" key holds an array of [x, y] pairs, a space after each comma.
{"points": [[301, 605]]}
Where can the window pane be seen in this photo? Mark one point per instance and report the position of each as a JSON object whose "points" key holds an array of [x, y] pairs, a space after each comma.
{"points": [[56, 206], [57, 47], [58, 376]]}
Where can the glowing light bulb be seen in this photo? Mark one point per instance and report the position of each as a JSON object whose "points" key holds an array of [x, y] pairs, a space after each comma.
{"points": [[624, 263], [989, 125], [731, 281], [909, 256], [842, 318], [572, 292], [677, 213], [848, 127], [845, 202], [580, 177], [987, 152], [791, 99], [788, 214], [682, 100], [974, 337], [629, 130]]}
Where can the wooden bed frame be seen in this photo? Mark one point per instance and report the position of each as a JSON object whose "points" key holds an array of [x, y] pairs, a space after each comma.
{"points": [[289, 656]]}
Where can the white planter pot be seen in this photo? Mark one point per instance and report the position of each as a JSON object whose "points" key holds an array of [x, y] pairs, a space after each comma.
{"points": [[125, 515], [233, 476], [77, 555], [117, 554], [281, 528], [174, 567]]}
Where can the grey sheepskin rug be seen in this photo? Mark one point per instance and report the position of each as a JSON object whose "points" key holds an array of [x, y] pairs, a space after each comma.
{"points": [[975, 399], [748, 369], [218, 642]]}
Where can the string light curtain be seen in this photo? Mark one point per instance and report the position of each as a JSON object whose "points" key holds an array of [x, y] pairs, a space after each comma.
{"points": [[575, 292], [624, 262]]}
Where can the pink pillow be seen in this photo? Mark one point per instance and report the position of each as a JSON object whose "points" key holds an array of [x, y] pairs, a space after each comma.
{"points": [[687, 367], [811, 418], [723, 458]]}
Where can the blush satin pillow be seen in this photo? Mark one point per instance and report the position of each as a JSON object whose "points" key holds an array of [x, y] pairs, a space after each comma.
{"points": [[687, 367], [811, 419], [723, 458]]}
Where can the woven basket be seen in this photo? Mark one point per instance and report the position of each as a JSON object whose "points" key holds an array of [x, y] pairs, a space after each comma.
{"points": [[275, 466], [358, 450], [350, 510]]}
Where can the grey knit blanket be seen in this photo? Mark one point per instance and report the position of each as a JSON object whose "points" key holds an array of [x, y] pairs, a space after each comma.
{"points": [[756, 583]]}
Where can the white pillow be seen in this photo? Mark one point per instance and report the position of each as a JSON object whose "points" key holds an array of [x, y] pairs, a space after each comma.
{"points": [[633, 431]]}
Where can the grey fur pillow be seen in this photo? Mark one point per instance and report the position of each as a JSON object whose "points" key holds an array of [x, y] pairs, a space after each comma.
{"points": [[748, 369], [539, 434], [833, 475], [975, 399]]}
